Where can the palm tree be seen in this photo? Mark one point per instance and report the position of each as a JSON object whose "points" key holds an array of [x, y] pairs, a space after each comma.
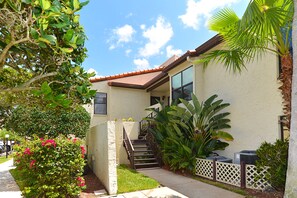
{"points": [[265, 26]]}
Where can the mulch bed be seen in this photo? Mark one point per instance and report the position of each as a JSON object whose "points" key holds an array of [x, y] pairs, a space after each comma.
{"points": [[92, 183]]}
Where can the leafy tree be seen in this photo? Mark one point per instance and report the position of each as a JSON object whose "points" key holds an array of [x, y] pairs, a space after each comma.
{"points": [[42, 43], [29, 121]]}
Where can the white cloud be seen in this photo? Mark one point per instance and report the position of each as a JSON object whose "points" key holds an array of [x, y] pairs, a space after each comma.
{"points": [[91, 70], [142, 26], [121, 35], [141, 64], [170, 51], [124, 33], [200, 10], [158, 35], [128, 51]]}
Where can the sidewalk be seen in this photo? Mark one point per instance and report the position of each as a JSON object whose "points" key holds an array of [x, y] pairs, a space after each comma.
{"points": [[8, 187], [187, 186]]}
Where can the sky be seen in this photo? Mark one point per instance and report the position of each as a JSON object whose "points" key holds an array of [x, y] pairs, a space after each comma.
{"points": [[130, 35]]}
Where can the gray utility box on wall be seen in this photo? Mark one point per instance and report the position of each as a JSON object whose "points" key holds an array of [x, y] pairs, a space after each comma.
{"points": [[220, 159], [247, 156]]}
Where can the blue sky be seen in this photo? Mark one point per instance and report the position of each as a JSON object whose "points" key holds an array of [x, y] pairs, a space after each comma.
{"points": [[133, 35]]}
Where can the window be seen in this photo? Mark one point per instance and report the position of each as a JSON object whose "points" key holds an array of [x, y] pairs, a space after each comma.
{"points": [[285, 133], [100, 103], [182, 84], [155, 100]]}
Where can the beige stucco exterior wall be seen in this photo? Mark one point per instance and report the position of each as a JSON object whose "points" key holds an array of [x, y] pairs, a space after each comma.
{"points": [[255, 101], [121, 103], [101, 144], [127, 103], [132, 130]]}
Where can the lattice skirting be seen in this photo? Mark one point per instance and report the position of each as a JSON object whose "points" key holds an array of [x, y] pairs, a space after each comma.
{"points": [[228, 173], [204, 168], [254, 179]]}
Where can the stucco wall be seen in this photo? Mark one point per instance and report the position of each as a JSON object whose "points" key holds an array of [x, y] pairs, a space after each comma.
{"points": [[132, 130], [101, 144], [128, 103], [254, 97], [121, 103], [96, 118]]}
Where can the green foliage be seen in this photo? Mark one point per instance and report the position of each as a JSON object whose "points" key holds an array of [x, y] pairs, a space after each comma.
{"points": [[194, 130], [26, 121], [130, 180], [50, 167], [42, 47], [276, 157]]}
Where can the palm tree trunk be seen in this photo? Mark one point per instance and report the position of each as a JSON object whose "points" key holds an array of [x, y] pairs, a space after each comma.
{"points": [[286, 87], [291, 182]]}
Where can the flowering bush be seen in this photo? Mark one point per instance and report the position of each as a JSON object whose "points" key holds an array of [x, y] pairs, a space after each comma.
{"points": [[51, 167]]}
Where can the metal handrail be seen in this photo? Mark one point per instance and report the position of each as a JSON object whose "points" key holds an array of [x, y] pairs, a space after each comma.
{"points": [[129, 147]]}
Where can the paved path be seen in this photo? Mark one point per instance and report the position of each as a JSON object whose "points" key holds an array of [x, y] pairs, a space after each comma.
{"points": [[187, 186], [8, 187], [163, 192]]}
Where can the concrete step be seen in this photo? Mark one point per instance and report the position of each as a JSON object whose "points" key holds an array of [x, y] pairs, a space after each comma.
{"points": [[146, 165]]}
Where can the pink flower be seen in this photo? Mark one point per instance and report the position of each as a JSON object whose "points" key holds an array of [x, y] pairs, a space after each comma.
{"points": [[83, 150], [81, 181], [32, 163], [41, 139], [49, 143], [27, 151], [74, 140]]}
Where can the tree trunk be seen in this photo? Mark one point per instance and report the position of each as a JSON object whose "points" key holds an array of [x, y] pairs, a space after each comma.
{"points": [[286, 87], [291, 182]]}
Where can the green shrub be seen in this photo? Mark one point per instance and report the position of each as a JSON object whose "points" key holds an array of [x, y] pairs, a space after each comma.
{"points": [[275, 156], [51, 167], [27, 121], [194, 130]]}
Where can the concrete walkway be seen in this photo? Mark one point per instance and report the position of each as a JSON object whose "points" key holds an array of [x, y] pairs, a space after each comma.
{"points": [[8, 187], [187, 186]]}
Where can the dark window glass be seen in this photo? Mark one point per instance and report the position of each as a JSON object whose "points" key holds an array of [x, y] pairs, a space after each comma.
{"points": [[176, 81], [283, 128], [182, 84], [100, 103], [155, 100]]}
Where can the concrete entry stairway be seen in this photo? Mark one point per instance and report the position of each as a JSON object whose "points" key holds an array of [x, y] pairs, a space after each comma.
{"points": [[143, 155], [139, 152]]}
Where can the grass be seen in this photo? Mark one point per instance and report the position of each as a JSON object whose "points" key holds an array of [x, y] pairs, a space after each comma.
{"points": [[4, 159], [18, 178], [129, 180]]}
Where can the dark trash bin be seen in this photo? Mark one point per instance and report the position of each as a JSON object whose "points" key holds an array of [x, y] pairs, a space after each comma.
{"points": [[220, 159]]}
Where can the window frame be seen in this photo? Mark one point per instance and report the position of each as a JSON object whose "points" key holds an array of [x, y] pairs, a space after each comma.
{"points": [[105, 113], [182, 86]]}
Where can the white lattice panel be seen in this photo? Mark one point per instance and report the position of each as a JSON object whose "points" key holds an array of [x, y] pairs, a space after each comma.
{"points": [[204, 168], [228, 173], [254, 179]]}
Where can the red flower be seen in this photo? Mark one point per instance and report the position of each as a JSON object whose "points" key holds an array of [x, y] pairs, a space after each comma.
{"points": [[49, 143], [32, 163], [74, 140], [41, 139], [27, 151], [83, 150], [81, 181]]}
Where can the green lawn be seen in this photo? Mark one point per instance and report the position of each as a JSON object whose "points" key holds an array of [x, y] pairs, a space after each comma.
{"points": [[4, 159], [18, 178], [129, 180]]}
